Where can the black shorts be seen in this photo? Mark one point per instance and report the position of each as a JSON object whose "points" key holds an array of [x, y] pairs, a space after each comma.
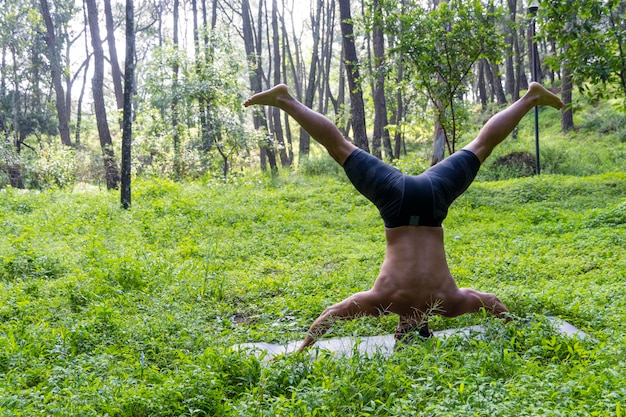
{"points": [[420, 200]]}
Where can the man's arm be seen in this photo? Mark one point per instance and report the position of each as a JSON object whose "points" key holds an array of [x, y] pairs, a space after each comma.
{"points": [[357, 305], [469, 300]]}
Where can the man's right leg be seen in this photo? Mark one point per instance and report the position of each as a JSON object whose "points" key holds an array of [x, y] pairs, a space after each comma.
{"points": [[317, 125], [502, 124]]}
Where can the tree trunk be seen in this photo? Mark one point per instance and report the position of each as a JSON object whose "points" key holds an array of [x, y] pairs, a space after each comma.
{"points": [[110, 166], [567, 114], [482, 91], [288, 67], [327, 56], [497, 84], [276, 113], [305, 138], [116, 73], [127, 117], [56, 73], [513, 54], [522, 80], [255, 77], [79, 105], [399, 115], [205, 142], [380, 103], [440, 139], [357, 107], [266, 147], [178, 169], [439, 144]]}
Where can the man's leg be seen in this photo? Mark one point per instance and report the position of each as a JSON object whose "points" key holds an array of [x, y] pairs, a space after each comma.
{"points": [[503, 123], [317, 125]]}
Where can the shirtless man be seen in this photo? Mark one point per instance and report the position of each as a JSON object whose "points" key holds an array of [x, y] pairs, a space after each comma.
{"points": [[414, 280]]}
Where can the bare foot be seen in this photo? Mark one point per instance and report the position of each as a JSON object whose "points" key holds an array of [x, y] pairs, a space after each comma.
{"points": [[269, 97], [543, 96]]}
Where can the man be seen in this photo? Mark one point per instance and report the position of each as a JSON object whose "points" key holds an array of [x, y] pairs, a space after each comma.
{"points": [[414, 280]]}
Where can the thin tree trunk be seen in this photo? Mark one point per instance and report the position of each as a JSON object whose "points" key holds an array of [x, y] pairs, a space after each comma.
{"points": [[512, 67], [399, 115], [497, 84], [56, 73], [174, 104], [116, 72], [439, 138], [357, 107], [256, 85], [276, 113], [567, 113], [482, 91], [82, 89], [127, 118], [205, 143], [380, 102], [287, 59], [305, 138], [110, 166]]}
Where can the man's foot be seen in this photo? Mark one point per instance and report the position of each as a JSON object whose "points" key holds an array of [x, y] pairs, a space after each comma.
{"points": [[269, 97], [543, 96]]}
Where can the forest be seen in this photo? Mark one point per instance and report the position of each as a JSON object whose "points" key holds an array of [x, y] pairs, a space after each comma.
{"points": [[396, 76], [242, 230]]}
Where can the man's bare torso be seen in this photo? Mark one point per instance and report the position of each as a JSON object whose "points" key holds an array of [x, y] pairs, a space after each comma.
{"points": [[414, 276]]}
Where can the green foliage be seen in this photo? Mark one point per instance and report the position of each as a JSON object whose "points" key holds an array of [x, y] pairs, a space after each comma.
{"points": [[133, 313], [55, 166], [442, 46], [596, 146], [592, 42], [206, 98]]}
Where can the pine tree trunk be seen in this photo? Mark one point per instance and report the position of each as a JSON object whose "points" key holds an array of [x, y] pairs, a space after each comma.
{"points": [[63, 115], [380, 102], [110, 166], [127, 117], [116, 72], [567, 114], [357, 107]]}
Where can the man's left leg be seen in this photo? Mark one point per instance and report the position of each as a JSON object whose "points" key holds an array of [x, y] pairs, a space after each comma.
{"points": [[502, 124]]}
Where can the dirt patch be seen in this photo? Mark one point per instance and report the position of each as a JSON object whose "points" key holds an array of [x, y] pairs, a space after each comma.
{"points": [[519, 162]]}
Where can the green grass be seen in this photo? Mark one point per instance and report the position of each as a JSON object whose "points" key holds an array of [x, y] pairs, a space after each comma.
{"points": [[133, 313]]}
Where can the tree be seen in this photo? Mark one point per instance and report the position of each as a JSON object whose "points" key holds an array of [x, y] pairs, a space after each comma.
{"points": [[97, 85], [357, 107], [116, 73], [253, 54], [309, 94], [512, 51], [174, 104], [442, 46], [56, 71], [591, 42], [380, 73], [275, 112], [127, 116]]}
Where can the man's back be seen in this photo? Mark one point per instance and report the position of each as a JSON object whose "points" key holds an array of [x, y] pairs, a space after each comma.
{"points": [[414, 274]]}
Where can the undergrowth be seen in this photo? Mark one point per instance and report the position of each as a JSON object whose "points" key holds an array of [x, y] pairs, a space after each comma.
{"points": [[134, 313]]}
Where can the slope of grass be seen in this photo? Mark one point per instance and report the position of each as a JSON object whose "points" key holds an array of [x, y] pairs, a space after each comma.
{"points": [[133, 313]]}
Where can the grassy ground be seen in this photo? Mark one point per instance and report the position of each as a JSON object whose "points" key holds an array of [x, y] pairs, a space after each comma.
{"points": [[133, 313]]}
